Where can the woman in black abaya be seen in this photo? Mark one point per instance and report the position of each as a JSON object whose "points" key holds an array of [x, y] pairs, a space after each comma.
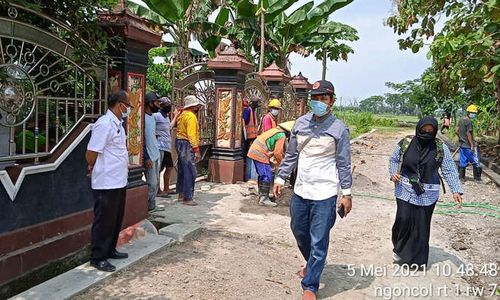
{"points": [[414, 169]]}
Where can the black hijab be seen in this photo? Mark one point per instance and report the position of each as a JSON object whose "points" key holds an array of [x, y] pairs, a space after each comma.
{"points": [[419, 161]]}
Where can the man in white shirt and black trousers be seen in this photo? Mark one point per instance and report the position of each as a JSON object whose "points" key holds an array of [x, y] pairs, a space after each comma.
{"points": [[107, 159], [319, 146]]}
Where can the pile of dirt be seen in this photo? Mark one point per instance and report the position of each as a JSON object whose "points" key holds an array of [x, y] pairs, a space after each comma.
{"points": [[490, 150]]}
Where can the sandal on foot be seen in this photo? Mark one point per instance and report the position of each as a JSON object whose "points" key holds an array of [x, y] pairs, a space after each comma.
{"points": [[190, 203]]}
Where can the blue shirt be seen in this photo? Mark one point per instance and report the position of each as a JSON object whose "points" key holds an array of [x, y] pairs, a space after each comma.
{"points": [[151, 145], [163, 134], [404, 191]]}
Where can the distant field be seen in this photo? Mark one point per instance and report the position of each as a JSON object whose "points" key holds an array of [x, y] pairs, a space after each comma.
{"points": [[400, 118]]}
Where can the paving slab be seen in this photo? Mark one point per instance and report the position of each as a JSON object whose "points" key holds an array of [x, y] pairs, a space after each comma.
{"points": [[181, 232], [85, 276]]}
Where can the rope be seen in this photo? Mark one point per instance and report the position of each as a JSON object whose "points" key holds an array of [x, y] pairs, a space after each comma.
{"points": [[445, 206]]}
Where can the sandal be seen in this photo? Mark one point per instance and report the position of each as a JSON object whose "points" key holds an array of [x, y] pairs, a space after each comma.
{"points": [[190, 203]]}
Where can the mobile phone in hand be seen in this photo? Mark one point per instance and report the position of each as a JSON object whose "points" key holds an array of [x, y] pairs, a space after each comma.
{"points": [[341, 212]]}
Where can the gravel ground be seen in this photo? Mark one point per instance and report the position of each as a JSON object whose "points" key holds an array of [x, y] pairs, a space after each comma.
{"points": [[248, 252]]}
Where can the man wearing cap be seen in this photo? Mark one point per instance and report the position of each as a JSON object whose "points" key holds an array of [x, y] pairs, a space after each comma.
{"points": [[269, 120], [187, 146], [164, 138], [468, 148], [107, 159], [319, 146], [151, 150]]}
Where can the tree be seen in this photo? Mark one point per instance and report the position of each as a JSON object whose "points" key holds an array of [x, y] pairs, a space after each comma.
{"points": [[324, 42], [291, 33], [465, 53], [182, 19], [374, 104]]}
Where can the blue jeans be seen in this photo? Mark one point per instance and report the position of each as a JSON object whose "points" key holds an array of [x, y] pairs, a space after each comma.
{"points": [[466, 157], [311, 222], [250, 172], [153, 180], [264, 171], [186, 169]]}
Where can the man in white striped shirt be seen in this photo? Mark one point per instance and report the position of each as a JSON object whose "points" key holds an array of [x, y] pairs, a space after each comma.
{"points": [[319, 146]]}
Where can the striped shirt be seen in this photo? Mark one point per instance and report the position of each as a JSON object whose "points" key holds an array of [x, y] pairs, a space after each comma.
{"points": [[404, 191]]}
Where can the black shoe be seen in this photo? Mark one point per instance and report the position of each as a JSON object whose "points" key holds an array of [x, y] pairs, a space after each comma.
{"points": [[477, 173], [103, 265], [118, 255]]}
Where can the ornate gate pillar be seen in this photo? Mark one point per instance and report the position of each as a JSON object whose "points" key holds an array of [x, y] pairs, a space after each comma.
{"points": [[302, 87], [226, 164], [128, 72], [276, 79]]}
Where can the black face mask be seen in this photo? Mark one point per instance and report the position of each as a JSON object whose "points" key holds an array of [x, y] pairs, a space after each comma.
{"points": [[153, 107], [426, 136], [166, 110]]}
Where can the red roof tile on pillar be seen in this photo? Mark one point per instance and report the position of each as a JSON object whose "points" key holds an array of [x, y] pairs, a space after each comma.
{"points": [[300, 82], [230, 58], [274, 73]]}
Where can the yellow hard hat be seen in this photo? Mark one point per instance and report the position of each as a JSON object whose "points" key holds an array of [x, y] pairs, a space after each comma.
{"points": [[287, 125], [472, 108], [274, 103]]}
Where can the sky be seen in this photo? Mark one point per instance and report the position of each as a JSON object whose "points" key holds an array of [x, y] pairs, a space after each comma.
{"points": [[376, 59]]}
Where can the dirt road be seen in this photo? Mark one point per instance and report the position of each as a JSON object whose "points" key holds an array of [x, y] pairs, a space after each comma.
{"points": [[248, 252]]}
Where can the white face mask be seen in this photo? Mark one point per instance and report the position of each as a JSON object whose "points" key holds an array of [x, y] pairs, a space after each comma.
{"points": [[126, 113], [275, 112]]}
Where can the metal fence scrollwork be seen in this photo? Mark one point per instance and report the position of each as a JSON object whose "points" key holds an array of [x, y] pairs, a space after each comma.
{"points": [[196, 79], [290, 103], [44, 91], [256, 87]]}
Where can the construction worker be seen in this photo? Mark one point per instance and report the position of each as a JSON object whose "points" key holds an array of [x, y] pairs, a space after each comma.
{"points": [[469, 151], [269, 120], [250, 134], [267, 152]]}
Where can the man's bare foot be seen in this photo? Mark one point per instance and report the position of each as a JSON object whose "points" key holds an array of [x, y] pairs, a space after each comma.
{"points": [[309, 295]]}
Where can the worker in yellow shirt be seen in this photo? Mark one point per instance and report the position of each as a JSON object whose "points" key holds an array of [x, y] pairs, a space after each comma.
{"points": [[188, 150]]}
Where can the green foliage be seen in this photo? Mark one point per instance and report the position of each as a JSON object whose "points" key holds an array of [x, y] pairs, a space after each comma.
{"points": [[363, 122], [159, 76], [465, 53], [301, 29], [81, 17]]}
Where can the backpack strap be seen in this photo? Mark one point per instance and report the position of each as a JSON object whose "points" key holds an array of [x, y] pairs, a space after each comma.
{"points": [[439, 159], [403, 147]]}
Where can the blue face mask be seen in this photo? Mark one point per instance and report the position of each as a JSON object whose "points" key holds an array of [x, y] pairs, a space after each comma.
{"points": [[319, 108], [472, 115]]}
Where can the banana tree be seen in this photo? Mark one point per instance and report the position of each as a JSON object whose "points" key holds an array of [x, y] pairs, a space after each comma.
{"points": [[325, 43], [291, 33], [182, 19]]}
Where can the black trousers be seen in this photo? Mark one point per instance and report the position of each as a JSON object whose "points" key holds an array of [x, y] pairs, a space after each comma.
{"points": [[109, 207], [411, 232]]}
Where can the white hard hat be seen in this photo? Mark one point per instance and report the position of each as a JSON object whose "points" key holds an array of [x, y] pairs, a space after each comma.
{"points": [[191, 100]]}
